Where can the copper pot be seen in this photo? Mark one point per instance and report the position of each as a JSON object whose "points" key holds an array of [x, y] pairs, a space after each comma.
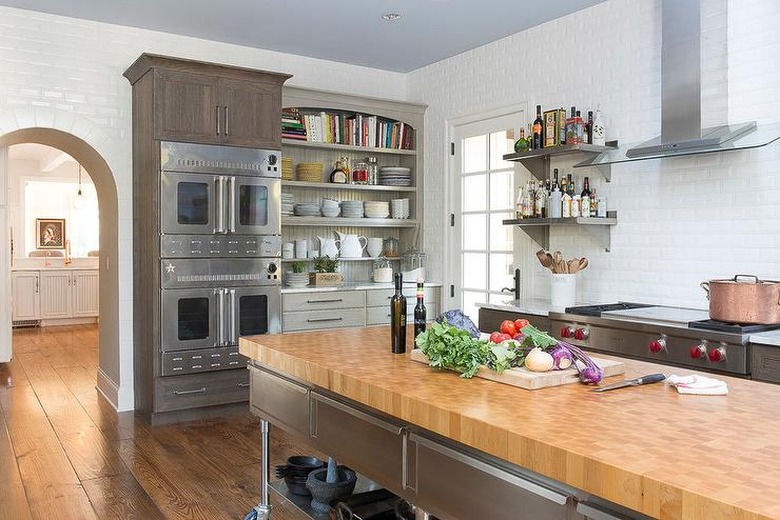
{"points": [[744, 299]]}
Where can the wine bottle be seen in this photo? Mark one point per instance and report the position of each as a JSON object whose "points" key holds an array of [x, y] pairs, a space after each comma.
{"points": [[562, 125], [538, 135], [585, 198], [398, 317], [419, 310], [521, 145], [571, 130], [579, 128], [555, 179], [589, 127]]}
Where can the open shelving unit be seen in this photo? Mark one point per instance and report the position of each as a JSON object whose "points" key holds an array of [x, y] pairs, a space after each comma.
{"points": [[539, 228], [538, 161], [303, 503]]}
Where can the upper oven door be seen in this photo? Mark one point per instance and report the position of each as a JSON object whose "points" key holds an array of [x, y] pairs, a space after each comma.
{"points": [[204, 204]]}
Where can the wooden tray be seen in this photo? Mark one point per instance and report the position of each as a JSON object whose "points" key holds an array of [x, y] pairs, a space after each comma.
{"points": [[524, 378]]}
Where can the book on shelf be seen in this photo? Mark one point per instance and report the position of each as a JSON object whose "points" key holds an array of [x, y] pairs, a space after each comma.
{"points": [[347, 128]]}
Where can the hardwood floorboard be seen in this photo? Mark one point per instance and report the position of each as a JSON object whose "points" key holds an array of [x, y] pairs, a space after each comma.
{"points": [[67, 454]]}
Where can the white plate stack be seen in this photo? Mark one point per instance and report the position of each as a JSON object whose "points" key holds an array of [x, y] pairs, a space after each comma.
{"points": [[352, 208], [376, 209], [307, 209], [399, 208], [395, 176], [288, 204], [296, 279]]}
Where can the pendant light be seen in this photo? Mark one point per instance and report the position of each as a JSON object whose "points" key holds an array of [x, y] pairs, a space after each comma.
{"points": [[80, 200], [79, 192]]}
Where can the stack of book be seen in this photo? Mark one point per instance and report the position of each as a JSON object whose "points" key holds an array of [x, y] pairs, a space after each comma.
{"points": [[348, 129], [292, 124]]}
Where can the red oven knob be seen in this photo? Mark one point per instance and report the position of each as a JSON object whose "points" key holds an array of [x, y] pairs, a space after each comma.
{"points": [[657, 345], [567, 332], [698, 351], [717, 355], [581, 334]]}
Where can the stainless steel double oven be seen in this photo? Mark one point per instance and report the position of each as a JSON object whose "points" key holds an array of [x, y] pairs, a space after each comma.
{"points": [[220, 252]]}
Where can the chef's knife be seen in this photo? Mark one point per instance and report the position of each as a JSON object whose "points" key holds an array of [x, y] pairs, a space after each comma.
{"points": [[653, 378]]}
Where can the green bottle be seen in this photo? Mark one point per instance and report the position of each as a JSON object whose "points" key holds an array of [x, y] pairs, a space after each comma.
{"points": [[521, 145]]}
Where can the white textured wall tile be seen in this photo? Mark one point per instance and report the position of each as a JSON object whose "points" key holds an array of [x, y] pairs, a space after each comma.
{"points": [[681, 220]]}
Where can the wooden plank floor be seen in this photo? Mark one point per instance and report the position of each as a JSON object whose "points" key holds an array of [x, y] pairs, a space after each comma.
{"points": [[66, 454]]}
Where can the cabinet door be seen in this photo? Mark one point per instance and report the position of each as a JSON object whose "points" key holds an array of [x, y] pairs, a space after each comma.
{"points": [[85, 293], [185, 107], [26, 296], [56, 294], [252, 112]]}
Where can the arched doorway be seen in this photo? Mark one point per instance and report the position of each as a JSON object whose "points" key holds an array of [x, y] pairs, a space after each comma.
{"points": [[105, 185]]}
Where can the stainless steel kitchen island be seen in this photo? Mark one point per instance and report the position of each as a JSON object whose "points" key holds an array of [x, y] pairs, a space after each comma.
{"points": [[431, 436]]}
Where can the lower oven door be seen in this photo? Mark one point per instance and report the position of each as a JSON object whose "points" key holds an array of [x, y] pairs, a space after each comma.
{"points": [[251, 311], [190, 318]]}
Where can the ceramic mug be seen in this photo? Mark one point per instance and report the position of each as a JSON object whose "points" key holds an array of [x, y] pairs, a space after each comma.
{"points": [[301, 248], [288, 250]]}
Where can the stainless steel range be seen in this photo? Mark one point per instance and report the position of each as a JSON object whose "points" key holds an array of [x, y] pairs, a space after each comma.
{"points": [[668, 335]]}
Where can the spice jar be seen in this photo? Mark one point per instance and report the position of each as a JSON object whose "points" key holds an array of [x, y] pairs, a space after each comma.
{"points": [[360, 173], [373, 170]]}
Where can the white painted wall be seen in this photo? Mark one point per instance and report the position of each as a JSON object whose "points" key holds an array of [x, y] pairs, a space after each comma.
{"points": [[681, 220], [66, 74]]}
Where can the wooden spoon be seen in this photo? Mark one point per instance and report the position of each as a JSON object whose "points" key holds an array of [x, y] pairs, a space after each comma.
{"points": [[583, 263], [544, 258], [573, 265]]}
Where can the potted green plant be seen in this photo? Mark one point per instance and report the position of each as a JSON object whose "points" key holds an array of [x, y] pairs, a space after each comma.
{"points": [[297, 276], [299, 266], [325, 272]]}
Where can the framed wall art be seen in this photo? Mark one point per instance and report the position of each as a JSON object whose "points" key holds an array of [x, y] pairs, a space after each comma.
{"points": [[50, 233]]}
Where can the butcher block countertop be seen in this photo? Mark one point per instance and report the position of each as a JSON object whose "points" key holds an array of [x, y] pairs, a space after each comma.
{"points": [[647, 448]]}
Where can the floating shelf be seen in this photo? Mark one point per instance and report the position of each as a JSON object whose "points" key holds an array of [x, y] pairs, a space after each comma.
{"points": [[347, 147], [539, 228], [538, 161], [335, 186], [353, 222]]}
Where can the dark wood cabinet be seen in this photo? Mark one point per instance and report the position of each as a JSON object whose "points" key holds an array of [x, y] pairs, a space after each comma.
{"points": [[194, 102], [208, 103]]}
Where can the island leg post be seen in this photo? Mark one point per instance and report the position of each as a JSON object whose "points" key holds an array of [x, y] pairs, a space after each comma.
{"points": [[262, 511]]}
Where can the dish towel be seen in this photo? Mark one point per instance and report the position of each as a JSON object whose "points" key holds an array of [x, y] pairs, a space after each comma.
{"points": [[698, 385]]}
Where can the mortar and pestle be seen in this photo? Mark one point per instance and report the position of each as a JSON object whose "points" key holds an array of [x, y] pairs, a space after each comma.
{"points": [[330, 483]]}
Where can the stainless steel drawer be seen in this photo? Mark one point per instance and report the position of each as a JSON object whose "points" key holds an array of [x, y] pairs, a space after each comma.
{"points": [[381, 297], [196, 390], [323, 300], [456, 484], [381, 315], [201, 360], [314, 320], [367, 443], [283, 402]]}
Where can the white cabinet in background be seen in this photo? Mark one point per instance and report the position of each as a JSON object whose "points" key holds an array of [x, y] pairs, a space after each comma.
{"points": [[26, 296], [69, 294]]}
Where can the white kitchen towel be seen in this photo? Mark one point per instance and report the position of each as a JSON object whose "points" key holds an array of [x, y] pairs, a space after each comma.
{"points": [[698, 385]]}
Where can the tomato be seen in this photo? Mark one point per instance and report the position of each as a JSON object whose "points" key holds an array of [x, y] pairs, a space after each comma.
{"points": [[496, 337], [519, 324], [508, 327]]}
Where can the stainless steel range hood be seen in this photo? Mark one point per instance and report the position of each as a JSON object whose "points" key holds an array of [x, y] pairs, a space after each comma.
{"points": [[681, 102]]}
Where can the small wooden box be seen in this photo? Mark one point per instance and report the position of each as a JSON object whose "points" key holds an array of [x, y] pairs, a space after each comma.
{"points": [[327, 279]]}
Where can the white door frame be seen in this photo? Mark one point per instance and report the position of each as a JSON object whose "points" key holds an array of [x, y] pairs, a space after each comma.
{"points": [[515, 115]]}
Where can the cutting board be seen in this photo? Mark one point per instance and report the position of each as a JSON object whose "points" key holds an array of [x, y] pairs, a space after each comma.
{"points": [[524, 378]]}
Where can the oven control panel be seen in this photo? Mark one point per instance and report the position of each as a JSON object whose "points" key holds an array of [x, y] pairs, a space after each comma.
{"points": [[177, 273], [220, 246]]}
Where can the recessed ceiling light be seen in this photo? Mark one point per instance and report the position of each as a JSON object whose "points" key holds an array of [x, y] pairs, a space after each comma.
{"points": [[391, 17]]}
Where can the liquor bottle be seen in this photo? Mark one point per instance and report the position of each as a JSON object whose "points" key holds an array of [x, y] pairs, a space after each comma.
{"points": [[521, 145], [562, 125], [571, 131], [539, 202], [599, 137], [594, 204], [555, 179], [575, 205], [569, 185], [538, 134], [398, 317], [566, 205], [519, 203], [579, 127], [589, 127], [419, 310], [554, 202], [528, 211], [585, 198]]}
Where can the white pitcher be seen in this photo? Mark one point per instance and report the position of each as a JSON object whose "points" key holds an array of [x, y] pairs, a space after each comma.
{"points": [[351, 245], [329, 247]]}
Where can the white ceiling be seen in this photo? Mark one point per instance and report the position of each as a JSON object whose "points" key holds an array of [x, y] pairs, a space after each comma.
{"points": [[350, 31]]}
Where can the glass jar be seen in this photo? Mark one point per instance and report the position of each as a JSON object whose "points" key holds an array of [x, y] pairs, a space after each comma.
{"points": [[360, 173], [413, 265], [373, 170], [391, 247], [341, 173]]}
